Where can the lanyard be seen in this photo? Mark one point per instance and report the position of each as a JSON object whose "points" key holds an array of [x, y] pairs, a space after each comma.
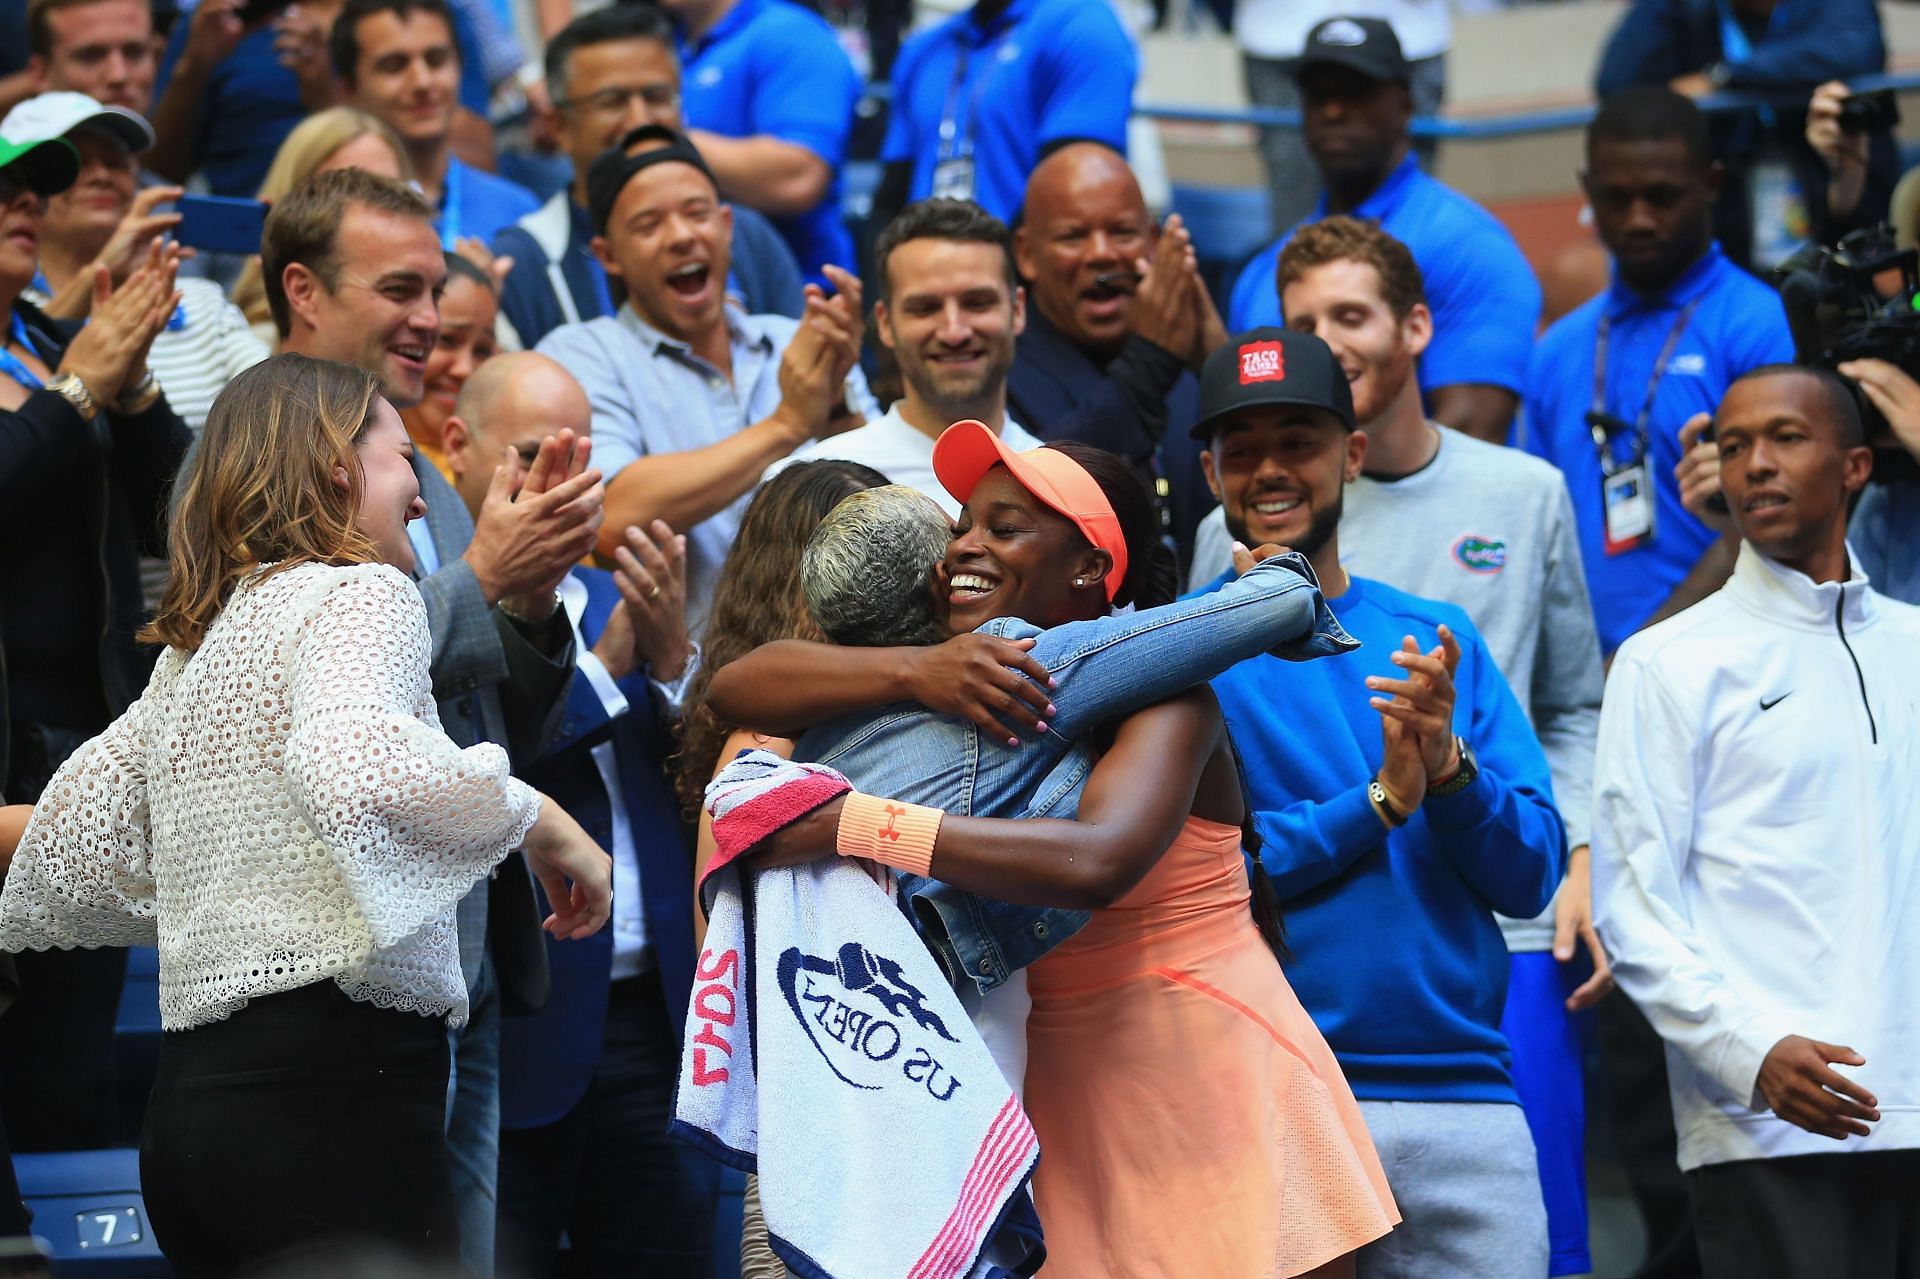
{"points": [[1735, 47], [1598, 420], [11, 364], [450, 193], [954, 139]]}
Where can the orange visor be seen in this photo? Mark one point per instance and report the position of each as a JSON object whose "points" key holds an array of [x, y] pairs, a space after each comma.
{"points": [[967, 450]]}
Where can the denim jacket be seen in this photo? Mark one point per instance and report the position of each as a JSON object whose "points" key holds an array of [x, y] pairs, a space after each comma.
{"points": [[1102, 669]]}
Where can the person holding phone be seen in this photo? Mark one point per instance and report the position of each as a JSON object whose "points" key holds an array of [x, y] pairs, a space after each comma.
{"points": [[104, 220]]}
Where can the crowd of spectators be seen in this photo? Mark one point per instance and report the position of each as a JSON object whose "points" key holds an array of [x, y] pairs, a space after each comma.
{"points": [[612, 270]]}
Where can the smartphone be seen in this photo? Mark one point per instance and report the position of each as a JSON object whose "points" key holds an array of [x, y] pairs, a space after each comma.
{"points": [[220, 224]]}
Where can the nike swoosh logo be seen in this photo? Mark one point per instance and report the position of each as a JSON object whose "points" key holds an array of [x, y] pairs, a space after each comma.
{"points": [[1766, 705]]}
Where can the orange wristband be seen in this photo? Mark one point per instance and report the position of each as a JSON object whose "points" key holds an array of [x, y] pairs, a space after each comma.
{"points": [[889, 832]]}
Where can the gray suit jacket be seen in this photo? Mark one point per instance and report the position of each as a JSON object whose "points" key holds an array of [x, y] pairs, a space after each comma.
{"points": [[491, 685]]}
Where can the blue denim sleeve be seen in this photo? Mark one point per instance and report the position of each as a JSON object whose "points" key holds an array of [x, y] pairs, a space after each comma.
{"points": [[1113, 665]]}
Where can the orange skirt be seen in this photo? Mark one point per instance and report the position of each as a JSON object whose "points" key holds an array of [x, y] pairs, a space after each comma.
{"points": [[1192, 1120]]}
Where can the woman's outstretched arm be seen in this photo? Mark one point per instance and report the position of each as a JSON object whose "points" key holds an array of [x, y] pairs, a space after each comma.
{"points": [[1135, 802], [787, 687]]}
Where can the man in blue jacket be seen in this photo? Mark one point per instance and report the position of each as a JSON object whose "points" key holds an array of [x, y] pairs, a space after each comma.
{"points": [[1399, 799], [586, 1084]]}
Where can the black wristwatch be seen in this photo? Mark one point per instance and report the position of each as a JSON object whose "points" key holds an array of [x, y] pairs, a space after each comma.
{"points": [[1463, 777]]}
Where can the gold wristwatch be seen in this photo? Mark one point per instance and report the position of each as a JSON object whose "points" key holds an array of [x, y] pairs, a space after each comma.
{"points": [[70, 388]]}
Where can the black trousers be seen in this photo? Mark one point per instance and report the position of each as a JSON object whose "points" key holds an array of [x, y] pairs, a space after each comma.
{"points": [[1642, 1114], [305, 1121], [632, 1201], [1810, 1216]]}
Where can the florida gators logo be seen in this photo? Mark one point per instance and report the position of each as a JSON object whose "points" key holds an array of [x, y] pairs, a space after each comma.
{"points": [[1478, 554]]}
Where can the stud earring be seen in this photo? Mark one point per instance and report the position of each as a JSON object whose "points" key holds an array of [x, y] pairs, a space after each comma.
{"points": [[1079, 581]]}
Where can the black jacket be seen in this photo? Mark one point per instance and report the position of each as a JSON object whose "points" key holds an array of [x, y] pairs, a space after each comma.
{"points": [[79, 503], [1138, 404]]}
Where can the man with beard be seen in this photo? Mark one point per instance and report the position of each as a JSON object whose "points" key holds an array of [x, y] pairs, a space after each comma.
{"points": [[693, 399], [1396, 793], [1613, 382], [1445, 516], [949, 308], [1121, 322]]}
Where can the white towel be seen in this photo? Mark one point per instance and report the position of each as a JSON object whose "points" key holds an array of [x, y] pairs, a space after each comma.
{"points": [[887, 1142]]}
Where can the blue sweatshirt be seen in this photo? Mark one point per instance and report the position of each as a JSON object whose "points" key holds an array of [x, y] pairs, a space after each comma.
{"points": [[1396, 953]]}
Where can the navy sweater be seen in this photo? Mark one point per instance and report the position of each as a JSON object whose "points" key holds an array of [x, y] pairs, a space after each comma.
{"points": [[1396, 953]]}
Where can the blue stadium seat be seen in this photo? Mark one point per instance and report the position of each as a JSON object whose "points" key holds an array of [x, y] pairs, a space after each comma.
{"points": [[87, 1206]]}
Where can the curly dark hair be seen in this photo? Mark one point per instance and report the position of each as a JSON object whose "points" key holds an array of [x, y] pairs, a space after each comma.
{"points": [[757, 599], [1139, 522]]}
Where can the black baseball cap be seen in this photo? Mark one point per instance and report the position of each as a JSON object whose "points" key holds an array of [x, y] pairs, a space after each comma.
{"points": [[1271, 366], [613, 168], [1366, 45]]}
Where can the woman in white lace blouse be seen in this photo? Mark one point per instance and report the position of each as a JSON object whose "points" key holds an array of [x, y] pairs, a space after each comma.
{"points": [[282, 815]]}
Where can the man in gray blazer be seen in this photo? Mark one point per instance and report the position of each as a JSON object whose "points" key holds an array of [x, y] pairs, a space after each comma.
{"points": [[353, 270]]}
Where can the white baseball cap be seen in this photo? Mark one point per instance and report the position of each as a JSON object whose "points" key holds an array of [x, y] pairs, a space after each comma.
{"points": [[55, 115]]}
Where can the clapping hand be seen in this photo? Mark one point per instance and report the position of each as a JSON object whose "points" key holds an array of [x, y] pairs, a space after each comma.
{"points": [[110, 354], [650, 622], [815, 365], [1162, 310], [1416, 714], [532, 530]]}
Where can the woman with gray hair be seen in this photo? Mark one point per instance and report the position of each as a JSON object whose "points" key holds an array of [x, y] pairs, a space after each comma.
{"points": [[870, 573]]}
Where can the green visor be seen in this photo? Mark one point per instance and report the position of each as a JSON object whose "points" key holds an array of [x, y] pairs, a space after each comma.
{"points": [[47, 167]]}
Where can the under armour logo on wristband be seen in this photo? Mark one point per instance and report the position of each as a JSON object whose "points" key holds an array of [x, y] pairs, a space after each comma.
{"points": [[894, 813]]}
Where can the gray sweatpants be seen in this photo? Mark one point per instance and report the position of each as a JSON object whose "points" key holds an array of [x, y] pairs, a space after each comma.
{"points": [[1468, 1187]]}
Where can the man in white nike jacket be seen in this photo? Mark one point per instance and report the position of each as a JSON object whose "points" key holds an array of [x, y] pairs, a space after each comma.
{"points": [[1757, 860]]}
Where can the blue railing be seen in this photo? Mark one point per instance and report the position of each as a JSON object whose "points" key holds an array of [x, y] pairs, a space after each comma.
{"points": [[1516, 124]]}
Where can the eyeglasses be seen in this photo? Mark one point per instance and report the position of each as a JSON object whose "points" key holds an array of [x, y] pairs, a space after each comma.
{"points": [[613, 101]]}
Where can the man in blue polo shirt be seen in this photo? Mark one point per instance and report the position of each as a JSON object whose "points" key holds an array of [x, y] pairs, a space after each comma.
{"points": [[608, 72], [769, 102], [978, 99], [1613, 382], [1486, 303], [1399, 798], [399, 61]]}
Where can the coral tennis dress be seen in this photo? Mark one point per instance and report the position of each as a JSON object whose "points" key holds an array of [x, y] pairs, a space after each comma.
{"points": [[1192, 1120]]}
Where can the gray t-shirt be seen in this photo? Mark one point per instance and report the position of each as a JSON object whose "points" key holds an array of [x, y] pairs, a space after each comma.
{"points": [[1491, 530]]}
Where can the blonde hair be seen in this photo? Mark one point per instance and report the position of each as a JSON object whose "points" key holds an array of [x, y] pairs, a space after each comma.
{"points": [[262, 488], [308, 147]]}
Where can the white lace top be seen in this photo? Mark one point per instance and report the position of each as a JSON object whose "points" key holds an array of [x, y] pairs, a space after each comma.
{"points": [[277, 808]]}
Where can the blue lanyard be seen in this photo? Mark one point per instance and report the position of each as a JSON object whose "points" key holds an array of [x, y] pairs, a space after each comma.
{"points": [[450, 193], [1735, 47], [956, 136], [11, 364]]}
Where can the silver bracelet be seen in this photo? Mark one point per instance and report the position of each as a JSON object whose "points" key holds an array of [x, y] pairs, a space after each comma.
{"points": [[523, 619]]}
